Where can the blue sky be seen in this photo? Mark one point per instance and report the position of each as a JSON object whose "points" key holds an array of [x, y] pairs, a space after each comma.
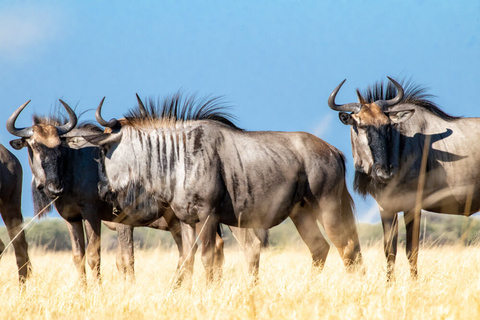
{"points": [[275, 62]]}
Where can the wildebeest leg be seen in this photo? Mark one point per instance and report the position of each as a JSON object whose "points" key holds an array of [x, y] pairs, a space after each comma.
{"points": [[123, 246], [339, 223], [126, 255], [413, 237], [390, 235], [306, 224], [251, 246], [12, 216], [208, 235], [189, 248], [2, 248], [173, 225], [75, 229], [92, 230], [169, 222], [218, 256]]}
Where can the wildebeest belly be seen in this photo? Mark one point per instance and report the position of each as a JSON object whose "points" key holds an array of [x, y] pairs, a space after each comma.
{"points": [[440, 200], [262, 209], [451, 205]]}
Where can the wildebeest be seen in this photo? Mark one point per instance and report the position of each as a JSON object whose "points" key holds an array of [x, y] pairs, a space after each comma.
{"points": [[64, 165], [188, 155], [410, 155], [11, 209]]}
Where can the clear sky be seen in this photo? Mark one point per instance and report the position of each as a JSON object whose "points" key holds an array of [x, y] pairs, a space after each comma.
{"points": [[276, 62]]}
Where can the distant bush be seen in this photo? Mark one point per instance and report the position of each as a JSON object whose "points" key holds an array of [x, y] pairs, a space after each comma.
{"points": [[435, 229]]}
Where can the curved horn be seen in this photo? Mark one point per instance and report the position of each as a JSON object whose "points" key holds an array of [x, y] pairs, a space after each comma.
{"points": [[361, 99], [72, 121], [349, 107], [397, 99], [110, 124], [23, 132], [141, 107]]}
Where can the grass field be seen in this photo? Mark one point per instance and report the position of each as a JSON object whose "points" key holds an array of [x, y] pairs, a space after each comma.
{"points": [[448, 288]]}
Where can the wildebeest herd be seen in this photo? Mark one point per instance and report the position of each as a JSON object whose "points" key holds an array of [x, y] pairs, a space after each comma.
{"points": [[182, 165]]}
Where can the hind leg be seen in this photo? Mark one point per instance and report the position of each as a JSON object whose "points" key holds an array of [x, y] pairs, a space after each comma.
{"points": [[341, 230], [307, 227], [12, 216]]}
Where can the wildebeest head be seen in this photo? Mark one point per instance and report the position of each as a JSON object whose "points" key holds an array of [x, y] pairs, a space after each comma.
{"points": [[374, 142], [44, 142], [107, 141], [126, 144]]}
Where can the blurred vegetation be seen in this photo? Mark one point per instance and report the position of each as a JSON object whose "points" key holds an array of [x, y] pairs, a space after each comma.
{"points": [[435, 229]]}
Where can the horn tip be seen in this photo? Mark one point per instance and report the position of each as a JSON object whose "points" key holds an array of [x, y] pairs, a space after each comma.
{"points": [[391, 79]]}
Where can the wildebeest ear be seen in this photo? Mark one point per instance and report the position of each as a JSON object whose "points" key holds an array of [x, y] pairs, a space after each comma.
{"points": [[18, 144], [74, 142], [400, 116], [346, 118], [103, 139]]}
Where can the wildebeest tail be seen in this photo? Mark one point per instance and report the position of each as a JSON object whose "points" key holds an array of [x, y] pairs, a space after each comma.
{"points": [[348, 217]]}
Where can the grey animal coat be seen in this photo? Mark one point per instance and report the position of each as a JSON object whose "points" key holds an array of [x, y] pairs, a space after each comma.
{"points": [[194, 160]]}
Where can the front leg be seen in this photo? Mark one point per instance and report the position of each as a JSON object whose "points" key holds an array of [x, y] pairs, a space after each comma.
{"points": [[189, 248], [251, 242], [219, 257], [390, 236], [172, 224], [412, 224], [219, 254], [208, 233], [2, 248], [92, 228], [126, 257], [75, 229]]}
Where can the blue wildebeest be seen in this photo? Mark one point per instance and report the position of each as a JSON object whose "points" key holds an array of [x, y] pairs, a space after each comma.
{"points": [[187, 155], [410, 155], [65, 165], [11, 209]]}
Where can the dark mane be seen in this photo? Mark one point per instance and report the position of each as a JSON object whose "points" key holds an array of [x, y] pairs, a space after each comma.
{"points": [[414, 94], [177, 108]]}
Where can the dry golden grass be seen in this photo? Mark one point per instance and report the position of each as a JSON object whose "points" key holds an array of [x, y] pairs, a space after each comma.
{"points": [[448, 288]]}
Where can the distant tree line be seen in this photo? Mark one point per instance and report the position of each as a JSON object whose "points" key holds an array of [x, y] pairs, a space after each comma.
{"points": [[435, 229]]}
